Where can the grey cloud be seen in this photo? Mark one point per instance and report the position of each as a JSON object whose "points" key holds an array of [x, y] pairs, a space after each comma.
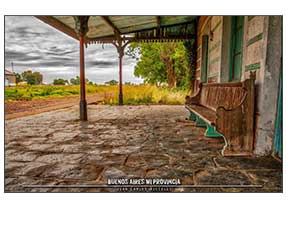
{"points": [[32, 44]]}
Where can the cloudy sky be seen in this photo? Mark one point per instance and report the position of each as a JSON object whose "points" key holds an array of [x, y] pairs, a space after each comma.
{"points": [[32, 44]]}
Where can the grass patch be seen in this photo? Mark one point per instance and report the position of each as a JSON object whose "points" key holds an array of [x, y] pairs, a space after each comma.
{"points": [[132, 94]]}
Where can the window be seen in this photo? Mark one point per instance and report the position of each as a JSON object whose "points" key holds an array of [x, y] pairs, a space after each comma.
{"points": [[204, 59], [236, 47]]}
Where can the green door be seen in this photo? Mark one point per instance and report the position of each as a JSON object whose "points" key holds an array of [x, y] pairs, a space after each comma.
{"points": [[277, 146], [236, 47]]}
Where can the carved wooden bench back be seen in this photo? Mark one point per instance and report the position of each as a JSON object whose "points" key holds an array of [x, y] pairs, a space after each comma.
{"points": [[233, 106], [228, 95]]}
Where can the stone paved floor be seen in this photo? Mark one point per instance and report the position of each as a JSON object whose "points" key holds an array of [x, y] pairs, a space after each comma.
{"points": [[56, 149]]}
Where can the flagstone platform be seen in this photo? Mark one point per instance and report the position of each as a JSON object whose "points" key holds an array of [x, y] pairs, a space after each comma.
{"points": [[55, 152]]}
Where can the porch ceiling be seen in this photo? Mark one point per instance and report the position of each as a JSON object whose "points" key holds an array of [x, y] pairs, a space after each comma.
{"points": [[103, 27]]}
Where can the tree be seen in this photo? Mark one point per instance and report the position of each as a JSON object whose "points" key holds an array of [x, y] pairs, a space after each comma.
{"points": [[76, 81], [112, 82], [32, 77], [59, 81], [18, 78], [161, 63]]}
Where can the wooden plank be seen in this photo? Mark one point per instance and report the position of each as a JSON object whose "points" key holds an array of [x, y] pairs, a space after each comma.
{"points": [[97, 27], [209, 116]]}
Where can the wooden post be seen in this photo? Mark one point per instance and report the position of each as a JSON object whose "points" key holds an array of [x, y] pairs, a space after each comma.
{"points": [[120, 97], [81, 27], [82, 104]]}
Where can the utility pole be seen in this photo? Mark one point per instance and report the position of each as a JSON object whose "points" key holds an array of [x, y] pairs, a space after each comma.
{"points": [[12, 64]]}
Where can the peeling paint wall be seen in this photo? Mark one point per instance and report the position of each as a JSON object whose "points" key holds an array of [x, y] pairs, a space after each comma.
{"points": [[215, 49], [262, 46], [211, 26]]}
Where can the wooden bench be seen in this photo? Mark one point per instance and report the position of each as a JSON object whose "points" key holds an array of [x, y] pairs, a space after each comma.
{"points": [[227, 110]]}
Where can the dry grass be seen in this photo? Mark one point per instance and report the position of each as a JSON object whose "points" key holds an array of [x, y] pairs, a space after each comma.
{"points": [[133, 94]]}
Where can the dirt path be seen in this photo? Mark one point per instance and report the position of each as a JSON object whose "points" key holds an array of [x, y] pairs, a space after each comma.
{"points": [[17, 109]]}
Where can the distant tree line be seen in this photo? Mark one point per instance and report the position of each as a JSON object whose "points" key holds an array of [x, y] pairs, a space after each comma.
{"points": [[30, 77], [33, 78]]}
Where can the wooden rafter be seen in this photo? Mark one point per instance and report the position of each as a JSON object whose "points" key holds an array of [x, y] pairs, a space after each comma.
{"points": [[59, 25], [158, 19], [111, 24], [140, 34]]}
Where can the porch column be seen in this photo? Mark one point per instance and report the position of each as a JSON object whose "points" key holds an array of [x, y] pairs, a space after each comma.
{"points": [[81, 27], [120, 97], [82, 104]]}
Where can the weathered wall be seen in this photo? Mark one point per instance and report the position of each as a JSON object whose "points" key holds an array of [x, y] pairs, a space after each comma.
{"points": [[268, 80], [203, 29], [215, 49], [261, 52], [211, 26]]}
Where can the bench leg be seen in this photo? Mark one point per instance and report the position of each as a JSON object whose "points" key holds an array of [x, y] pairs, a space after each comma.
{"points": [[200, 122], [211, 132], [233, 149], [192, 117]]}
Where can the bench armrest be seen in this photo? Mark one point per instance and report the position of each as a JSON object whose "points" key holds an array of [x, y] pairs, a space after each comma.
{"points": [[195, 98]]}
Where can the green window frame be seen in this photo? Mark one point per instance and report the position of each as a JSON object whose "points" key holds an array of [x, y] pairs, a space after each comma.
{"points": [[204, 59], [236, 47]]}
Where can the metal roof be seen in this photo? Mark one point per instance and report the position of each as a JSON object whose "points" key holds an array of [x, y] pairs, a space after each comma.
{"points": [[101, 27], [8, 72]]}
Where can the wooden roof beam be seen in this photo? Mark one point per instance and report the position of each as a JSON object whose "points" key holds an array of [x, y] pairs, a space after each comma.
{"points": [[158, 19], [111, 24], [58, 25]]}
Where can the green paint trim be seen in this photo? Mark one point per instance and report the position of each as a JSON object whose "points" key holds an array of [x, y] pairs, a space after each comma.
{"points": [[200, 122], [216, 59], [252, 66], [211, 132], [250, 17], [214, 47], [255, 39], [192, 117], [216, 26]]}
